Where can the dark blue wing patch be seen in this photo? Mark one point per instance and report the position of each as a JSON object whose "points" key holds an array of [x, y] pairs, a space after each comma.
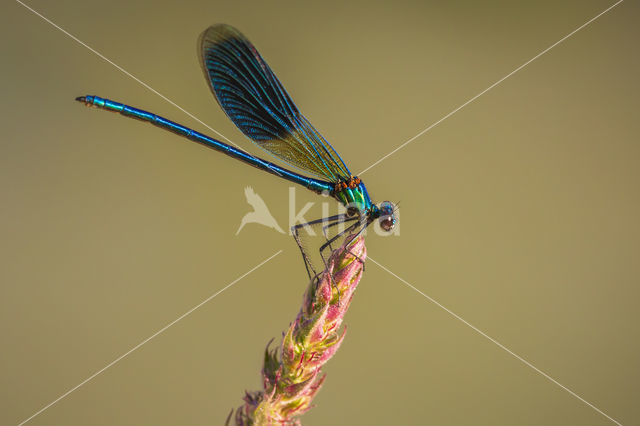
{"points": [[257, 103]]}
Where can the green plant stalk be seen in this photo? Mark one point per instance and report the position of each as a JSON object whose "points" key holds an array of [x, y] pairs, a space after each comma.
{"points": [[291, 373]]}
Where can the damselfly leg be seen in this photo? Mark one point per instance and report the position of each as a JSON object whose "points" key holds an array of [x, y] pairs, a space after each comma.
{"points": [[327, 222]]}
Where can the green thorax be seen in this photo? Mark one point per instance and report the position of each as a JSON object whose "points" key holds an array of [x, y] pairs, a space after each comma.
{"points": [[356, 197]]}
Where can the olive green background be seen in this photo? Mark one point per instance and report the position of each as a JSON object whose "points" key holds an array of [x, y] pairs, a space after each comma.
{"points": [[519, 213]]}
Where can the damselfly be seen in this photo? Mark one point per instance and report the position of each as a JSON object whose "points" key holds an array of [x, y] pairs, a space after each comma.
{"points": [[257, 103]]}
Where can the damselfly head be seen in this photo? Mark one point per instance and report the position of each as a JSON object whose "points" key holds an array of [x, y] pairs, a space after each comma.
{"points": [[387, 216]]}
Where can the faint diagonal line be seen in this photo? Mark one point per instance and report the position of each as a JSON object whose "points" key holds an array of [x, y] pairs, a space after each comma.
{"points": [[64, 395], [127, 73], [500, 345], [491, 87]]}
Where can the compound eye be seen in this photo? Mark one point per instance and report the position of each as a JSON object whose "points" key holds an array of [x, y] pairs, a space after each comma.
{"points": [[386, 208], [387, 223]]}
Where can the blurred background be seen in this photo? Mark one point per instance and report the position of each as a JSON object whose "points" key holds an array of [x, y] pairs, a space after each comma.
{"points": [[519, 213]]}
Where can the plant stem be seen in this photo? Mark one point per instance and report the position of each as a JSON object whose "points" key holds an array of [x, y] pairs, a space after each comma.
{"points": [[291, 372]]}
